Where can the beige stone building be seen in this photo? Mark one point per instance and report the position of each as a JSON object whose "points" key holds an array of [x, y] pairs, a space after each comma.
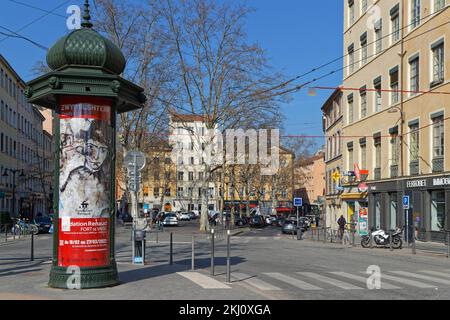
{"points": [[26, 149], [332, 127], [310, 179], [395, 116]]}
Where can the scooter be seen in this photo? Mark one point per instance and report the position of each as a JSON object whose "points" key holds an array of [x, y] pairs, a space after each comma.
{"points": [[381, 238]]}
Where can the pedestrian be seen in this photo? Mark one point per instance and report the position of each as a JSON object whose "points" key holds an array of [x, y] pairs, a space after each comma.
{"points": [[342, 223], [317, 221]]}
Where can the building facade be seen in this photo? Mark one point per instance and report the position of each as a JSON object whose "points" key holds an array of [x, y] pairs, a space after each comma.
{"points": [[332, 127], [396, 122], [26, 150], [310, 179]]}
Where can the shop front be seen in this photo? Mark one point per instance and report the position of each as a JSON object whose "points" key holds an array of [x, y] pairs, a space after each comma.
{"points": [[430, 206], [354, 207]]}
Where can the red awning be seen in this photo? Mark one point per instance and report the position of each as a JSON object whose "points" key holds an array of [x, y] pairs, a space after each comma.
{"points": [[284, 209]]}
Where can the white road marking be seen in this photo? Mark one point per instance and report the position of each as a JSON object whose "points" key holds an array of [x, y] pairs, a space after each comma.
{"points": [[364, 280], [334, 282], [408, 282], [435, 273], [253, 281], [419, 276], [203, 281], [292, 281]]}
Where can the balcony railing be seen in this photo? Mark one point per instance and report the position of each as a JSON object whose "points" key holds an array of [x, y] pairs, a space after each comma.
{"points": [[414, 167], [394, 171], [377, 173], [438, 164]]}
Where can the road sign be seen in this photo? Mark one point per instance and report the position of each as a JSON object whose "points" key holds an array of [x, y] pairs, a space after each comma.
{"points": [[298, 202], [336, 176], [362, 187], [406, 202], [135, 158]]}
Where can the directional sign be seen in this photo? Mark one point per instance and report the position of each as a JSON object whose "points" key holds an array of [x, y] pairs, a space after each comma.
{"points": [[133, 159], [336, 176], [298, 202], [406, 202]]}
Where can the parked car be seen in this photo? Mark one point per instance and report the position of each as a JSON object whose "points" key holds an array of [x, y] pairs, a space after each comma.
{"points": [[192, 215], [240, 221], [257, 221], [43, 223], [170, 219], [184, 216], [290, 226]]}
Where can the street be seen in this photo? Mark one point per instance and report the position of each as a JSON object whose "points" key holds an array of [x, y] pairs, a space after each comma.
{"points": [[265, 265]]}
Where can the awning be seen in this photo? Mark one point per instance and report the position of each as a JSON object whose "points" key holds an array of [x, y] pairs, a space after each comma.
{"points": [[353, 196], [284, 209]]}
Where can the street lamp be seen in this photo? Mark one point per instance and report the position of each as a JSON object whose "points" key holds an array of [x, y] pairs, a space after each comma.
{"points": [[5, 174]]}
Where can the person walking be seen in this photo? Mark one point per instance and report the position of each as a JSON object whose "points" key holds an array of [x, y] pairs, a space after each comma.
{"points": [[342, 223]]}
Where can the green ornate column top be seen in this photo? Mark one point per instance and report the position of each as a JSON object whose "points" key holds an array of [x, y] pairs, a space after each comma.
{"points": [[87, 17]]}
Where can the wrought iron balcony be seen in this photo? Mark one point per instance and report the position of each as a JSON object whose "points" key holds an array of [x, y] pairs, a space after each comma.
{"points": [[394, 171], [414, 167], [438, 164]]}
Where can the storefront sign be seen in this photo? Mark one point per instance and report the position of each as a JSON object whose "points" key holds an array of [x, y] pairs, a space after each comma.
{"points": [[362, 187], [416, 183], [84, 189], [437, 182]]}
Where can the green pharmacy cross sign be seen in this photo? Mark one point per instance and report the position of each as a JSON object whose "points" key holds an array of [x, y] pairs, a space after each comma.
{"points": [[86, 91]]}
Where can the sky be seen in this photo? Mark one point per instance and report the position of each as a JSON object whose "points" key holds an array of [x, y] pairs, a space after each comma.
{"points": [[297, 36]]}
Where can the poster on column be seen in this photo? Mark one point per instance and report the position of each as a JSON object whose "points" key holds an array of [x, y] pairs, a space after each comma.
{"points": [[363, 221], [84, 182]]}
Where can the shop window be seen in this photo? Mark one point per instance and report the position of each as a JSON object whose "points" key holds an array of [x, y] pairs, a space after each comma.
{"points": [[438, 210], [393, 213]]}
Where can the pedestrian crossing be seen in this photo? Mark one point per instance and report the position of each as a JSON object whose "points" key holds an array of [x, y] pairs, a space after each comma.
{"points": [[322, 281]]}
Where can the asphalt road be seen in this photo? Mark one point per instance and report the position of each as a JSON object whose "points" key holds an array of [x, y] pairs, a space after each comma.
{"points": [[264, 263]]}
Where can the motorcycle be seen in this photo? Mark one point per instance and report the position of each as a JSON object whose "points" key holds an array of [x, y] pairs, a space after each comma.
{"points": [[381, 238]]}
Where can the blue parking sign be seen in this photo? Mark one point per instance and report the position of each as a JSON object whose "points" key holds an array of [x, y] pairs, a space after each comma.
{"points": [[298, 202], [406, 202]]}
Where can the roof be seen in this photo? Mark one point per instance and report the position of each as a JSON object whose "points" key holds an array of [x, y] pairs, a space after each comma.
{"points": [[331, 98], [311, 160], [177, 117]]}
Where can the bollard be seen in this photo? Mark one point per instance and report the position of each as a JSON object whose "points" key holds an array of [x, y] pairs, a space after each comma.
{"points": [[312, 234], [390, 241], [353, 236], [448, 244], [228, 258], [157, 233], [370, 239], [212, 252], [413, 247], [171, 249], [318, 234], [324, 235], [193, 254], [6, 234]]}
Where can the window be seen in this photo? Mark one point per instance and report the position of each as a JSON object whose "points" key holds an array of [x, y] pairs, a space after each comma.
{"points": [[180, 176], [363, 6], [351, 12], [377, 86], [377, 143], [438, 137], [394, 149], [350, 156], [363, 100], [200, 176], [191, 176], [438, 62], [363, 40], [180, 192], [393, 73], [438, 210], [378, 37], [350, 108], [395, 24], [414, 141], [363, 147], [439, 5], [192, 160], [156, 192], [167, 161], [414, 75], [415, 13], [351, 58]]}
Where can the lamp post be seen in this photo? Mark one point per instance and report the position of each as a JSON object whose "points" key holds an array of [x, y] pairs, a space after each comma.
{"points": [[86, 91], [13, 172]]}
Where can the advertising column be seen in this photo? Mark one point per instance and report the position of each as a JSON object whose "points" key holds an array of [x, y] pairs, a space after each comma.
{"points": [[84, 182]]}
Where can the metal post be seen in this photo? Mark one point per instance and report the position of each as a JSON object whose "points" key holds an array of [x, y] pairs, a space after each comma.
{"points": [[212, 252], [157, 233], [171, 249], [370, 239], [318, 234], [448, 244], [390, 241], [32, 233], [228, 258], [298, 227], [407, 227], [324, 234], [413, 248], [193, 254], [6, 234], [353, 234]]}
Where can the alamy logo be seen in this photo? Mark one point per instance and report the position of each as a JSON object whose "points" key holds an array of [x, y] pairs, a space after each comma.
{"points": [[74, 280], [74, 20], [374, 280], [252, 147]]}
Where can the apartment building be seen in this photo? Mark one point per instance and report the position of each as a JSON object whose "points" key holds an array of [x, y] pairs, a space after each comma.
{"points": [[332, 127], [395, 119], [26, 150], [310, 179]]}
